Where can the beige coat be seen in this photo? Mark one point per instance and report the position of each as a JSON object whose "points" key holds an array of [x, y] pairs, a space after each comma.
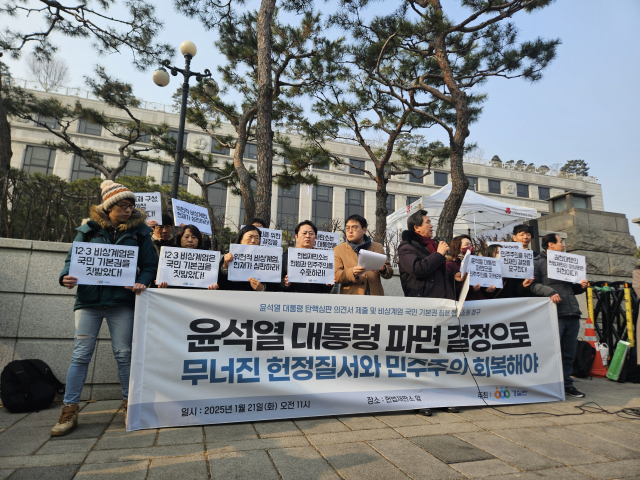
{"points": [[346, 259]]}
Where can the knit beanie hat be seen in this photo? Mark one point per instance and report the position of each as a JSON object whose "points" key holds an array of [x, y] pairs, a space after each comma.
{"points": [[113, 193]]}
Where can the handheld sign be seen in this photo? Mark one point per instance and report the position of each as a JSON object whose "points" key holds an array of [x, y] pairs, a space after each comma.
{"points": [[485, 271], [102, 264], [311, 266], [190, 214], [186, 267], [269, 237], [516, 263], [371, 260], [508, 245], [151, 204], [465, 263], [566, 266], [327, 240], [262, 263]]}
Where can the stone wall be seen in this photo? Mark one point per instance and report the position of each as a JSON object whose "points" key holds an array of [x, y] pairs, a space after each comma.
{"points": [[602, 237], [36, 315]]}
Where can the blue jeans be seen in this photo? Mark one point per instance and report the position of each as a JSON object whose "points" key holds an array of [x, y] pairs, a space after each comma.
{"points": [[569, 329], [88, 322]]}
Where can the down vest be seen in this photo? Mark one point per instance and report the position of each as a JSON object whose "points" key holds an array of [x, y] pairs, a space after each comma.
{"points": [[133, 233], [422, 274], [543, 286]]}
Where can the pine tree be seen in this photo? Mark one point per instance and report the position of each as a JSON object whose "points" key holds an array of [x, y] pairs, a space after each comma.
{"points": [[578, 167]]}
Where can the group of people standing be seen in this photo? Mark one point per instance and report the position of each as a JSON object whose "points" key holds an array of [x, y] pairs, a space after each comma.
{"points": [[427, 268]]}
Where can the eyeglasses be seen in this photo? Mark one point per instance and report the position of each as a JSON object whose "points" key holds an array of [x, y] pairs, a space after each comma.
{"points": [[125, 206], [353, 228], [307, 234]]}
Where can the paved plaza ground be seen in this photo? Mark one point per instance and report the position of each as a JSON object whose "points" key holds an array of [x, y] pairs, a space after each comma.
{"points": [[477, 442]]}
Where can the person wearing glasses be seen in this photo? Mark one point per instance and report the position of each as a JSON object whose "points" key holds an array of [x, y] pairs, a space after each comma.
{"points": [[305, 235], [162, 233], [248, 235], [114, 222]]}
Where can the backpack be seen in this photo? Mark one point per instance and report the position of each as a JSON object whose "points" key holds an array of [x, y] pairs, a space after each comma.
{"points": [[28, 386], [585, 354]]}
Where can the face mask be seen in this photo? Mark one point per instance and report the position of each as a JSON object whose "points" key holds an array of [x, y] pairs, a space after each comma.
{"points": [[467, 249]]}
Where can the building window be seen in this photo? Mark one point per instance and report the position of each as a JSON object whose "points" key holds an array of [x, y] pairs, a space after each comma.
{"points": [[410, 200], [288, 201], [243, 211], [322, 208], [167, 177], [89, 128], [136, 168], [217, 194], [473, 183], [418, 173], [144, 138], [356, 163], [219, 149], [174, 134], [494, 186], [39, 160], [544, 193], [251, 150], [441, 179], [52, 123], [323, 167], [82, 171], [354, 203], [391, 204], [523, 190]]}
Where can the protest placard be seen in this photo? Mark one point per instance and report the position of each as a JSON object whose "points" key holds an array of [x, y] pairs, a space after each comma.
{"points": [[484, 271], [102, 264], [269, 237], [190, 214], [516, 263], [564, 266], [311, 266], [327, 240], [186, 267], [509, 245], [151, 204], [262, 263], [371, 261], [465, 263]]}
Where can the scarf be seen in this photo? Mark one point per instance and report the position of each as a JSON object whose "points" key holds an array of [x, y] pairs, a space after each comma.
{"points": [[363, 246], [430, 243]]}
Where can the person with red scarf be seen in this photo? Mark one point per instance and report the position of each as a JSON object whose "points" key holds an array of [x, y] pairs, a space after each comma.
{"points": [[422, 262]]}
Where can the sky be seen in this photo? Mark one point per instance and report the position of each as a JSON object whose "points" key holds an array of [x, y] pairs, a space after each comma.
{"points": [[585, 107]]}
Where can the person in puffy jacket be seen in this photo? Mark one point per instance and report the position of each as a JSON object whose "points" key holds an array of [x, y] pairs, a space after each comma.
{"points": [[563, 294], [422, 262], [114, 222]]}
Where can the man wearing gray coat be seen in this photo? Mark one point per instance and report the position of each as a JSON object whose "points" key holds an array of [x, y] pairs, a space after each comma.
{"points": [[563, 294]]}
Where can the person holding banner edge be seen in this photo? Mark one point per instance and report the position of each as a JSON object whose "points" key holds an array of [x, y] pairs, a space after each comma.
{"points": [[563, 294], [354, 279], [115, 222], [189, 236], [305, 235], [248, 235]]}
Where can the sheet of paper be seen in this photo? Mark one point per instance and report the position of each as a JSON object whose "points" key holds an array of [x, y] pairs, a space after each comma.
{"points": [[311, 266], [568, 267], [327, 240], [101, 264], [516, 263], [261, 263], [186, 267], [465, 263], [191, 214], [151, 204], [371, 260], [485, 271], [463, 294]]}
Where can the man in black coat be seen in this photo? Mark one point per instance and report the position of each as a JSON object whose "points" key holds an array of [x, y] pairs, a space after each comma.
{"points": [[563, 294], [422, 262]]}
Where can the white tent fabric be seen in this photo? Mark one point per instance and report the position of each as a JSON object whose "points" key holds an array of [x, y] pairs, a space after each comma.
{"points": [[477, 214]]}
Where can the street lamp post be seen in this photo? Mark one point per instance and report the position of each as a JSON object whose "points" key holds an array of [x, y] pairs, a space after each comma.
{"points": [[161, 78]]}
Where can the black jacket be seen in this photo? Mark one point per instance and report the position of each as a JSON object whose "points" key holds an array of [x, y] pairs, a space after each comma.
{"points": [[511, 288], [423, 274], [543, 286], [301, 287]]}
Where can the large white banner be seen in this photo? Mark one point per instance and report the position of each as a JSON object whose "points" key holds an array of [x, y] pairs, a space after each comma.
{"points": [[311, 266], [568, 267], [151, 204], [206, 357], [252, 261], [104, 264], [187, 267], [189, 214]]}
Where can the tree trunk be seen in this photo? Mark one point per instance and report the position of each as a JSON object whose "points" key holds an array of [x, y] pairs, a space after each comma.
{"points": [[264, 135], [212, 220], [381, 206], [244, 179], [5, 164]]}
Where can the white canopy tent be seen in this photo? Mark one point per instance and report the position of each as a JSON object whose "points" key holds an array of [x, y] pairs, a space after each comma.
{"points": [[477, 214]]}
